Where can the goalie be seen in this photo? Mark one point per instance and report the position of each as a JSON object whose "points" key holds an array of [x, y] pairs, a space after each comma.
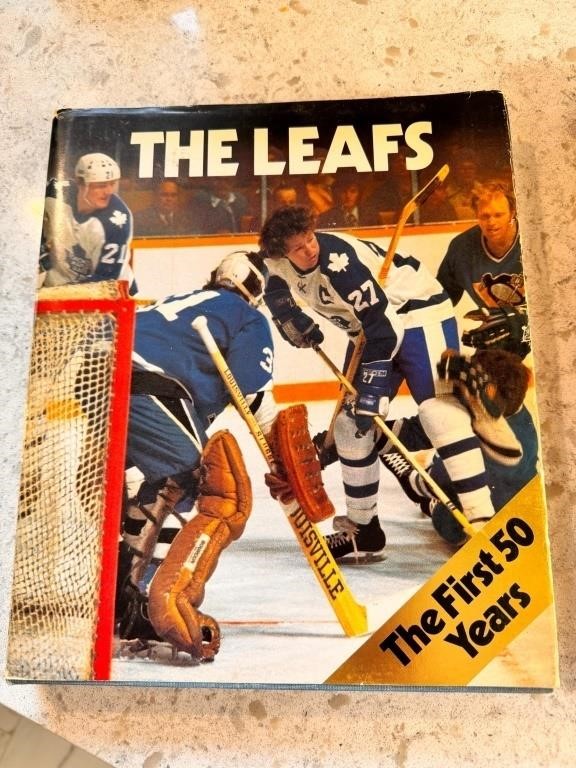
{"points": [[168, 550]]}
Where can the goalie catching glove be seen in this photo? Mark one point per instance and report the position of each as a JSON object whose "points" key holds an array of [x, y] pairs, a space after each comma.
{"points": [[504, 327], [478, 392], [177, 589], [297, 472]]}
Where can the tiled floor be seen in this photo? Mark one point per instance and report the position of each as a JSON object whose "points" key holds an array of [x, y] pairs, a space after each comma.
{"points": [[23, 744]]}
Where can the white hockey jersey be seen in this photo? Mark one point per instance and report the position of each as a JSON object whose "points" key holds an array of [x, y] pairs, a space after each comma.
{"points": [[344, 288]]}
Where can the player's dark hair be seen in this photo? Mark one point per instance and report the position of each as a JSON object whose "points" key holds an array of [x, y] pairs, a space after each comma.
{"points": [[509, 374], [284, 223]]}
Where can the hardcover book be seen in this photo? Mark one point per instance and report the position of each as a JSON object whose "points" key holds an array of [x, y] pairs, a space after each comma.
{"points": [[281, 425]]}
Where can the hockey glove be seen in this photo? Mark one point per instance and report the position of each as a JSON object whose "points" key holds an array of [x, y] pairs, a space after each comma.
{"points": [[471, 381], [479, 394], [373, 393], [504, 327], [326, 450], [279, 486], [293, 324], [299, 329]]}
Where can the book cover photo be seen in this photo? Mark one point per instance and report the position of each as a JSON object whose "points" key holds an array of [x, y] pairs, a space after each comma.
{"points": [[281, 424]]}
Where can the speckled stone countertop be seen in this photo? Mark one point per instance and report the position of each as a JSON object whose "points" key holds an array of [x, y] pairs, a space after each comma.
{"points": [[104, 53]]}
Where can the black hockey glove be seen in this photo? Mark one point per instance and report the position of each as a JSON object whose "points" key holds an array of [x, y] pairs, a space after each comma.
{"points": [[327, 454], [294, 325], [373, 393], [299, 329], [504, 327]]}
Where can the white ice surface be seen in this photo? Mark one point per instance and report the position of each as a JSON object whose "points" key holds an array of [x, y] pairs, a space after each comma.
{"points": [[277, 626]]}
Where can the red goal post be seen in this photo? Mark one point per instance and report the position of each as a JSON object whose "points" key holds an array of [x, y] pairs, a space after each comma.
{"points": [[66, 548]]}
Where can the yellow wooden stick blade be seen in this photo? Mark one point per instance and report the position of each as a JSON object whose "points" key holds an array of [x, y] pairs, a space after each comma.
{"points": [[423, 194], [351, 614]]}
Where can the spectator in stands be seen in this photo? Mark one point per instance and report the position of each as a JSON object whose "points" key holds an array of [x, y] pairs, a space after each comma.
{"points": [[392, 189], [221, 208], [462, 182], [166, 216], [318, 193], [438, 207], [348, 212], [285, 193]]}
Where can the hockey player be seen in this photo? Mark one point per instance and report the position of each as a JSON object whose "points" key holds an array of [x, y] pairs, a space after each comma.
{"points": [[406, 327], [176, 394], [510, 378], [87, 228], [485, 262]]}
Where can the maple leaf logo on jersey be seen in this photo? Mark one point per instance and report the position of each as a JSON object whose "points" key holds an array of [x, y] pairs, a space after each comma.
{"points": [[338, 262], [118, 218]]}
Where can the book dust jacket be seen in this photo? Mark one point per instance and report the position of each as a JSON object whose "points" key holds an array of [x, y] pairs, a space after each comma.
{"points": [[281, 426]]}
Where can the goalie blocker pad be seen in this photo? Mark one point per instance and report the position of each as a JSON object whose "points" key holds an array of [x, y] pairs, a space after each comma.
{"points": [[177, 589], [297, 456]]}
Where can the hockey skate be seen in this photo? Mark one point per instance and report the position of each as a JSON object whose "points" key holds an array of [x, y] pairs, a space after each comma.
{"points": [[137, 638], [402, 471], [356, 544], [408, 478]]}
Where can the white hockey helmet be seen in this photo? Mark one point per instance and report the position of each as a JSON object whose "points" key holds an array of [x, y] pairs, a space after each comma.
{"points": [[245, 272], [97, 167]]}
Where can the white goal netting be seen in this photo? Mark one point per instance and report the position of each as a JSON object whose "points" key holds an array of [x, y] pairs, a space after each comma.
{"points": [[56, 591]]}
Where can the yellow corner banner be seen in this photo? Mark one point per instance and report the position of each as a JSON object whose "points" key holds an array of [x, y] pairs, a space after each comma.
{"points": [[487, 593]]}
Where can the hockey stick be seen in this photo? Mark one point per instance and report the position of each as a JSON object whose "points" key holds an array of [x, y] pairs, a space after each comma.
{"points": [[410, 207], [379, 421], [351, 615]]}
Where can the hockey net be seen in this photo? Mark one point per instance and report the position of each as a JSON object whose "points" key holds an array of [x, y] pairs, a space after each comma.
{"points": [[61, 624]]}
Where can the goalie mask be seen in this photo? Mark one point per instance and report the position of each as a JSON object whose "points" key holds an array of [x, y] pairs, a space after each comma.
{"points": [[244, 272], [96, 167]]}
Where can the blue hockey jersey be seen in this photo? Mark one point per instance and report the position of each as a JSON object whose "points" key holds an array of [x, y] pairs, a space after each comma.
{"points": [[468, 267], [166, 343]]}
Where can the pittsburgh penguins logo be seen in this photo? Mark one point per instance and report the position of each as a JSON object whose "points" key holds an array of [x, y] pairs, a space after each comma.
{"points": [[501, 289]]}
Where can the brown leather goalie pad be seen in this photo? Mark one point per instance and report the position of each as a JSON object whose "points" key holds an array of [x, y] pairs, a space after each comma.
{"points": [[297, 456], [177, 589]]}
